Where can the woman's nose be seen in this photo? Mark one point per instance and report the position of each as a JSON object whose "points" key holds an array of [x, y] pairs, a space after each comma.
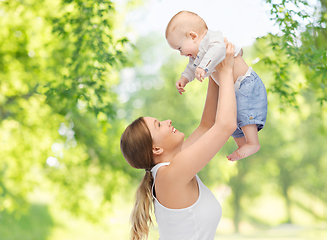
{"points": [[169, 122]]}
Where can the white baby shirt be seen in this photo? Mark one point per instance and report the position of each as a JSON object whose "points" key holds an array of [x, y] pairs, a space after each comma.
{"points": [[212, 51]]}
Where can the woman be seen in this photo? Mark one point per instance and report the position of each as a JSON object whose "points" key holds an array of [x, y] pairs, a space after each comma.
{"points": [[184, 207]]}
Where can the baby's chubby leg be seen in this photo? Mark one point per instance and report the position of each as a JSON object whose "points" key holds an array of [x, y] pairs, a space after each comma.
{"points": [[240, 141], [251, 145], [252, 141]]}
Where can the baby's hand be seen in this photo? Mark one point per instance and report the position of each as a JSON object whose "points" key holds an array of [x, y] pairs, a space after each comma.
{"points": [[199, 74], [180, 84]]}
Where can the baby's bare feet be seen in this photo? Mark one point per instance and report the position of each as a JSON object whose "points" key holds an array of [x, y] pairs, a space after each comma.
{"points": [[243, 152], [233, 156]]}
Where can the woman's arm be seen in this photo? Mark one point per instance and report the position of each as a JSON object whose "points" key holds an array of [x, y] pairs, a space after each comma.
{"points": [[209, 112], [187, 163], [208, 115]]}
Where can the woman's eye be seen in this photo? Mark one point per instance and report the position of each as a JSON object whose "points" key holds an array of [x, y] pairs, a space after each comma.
{"points": [[159, 124]]}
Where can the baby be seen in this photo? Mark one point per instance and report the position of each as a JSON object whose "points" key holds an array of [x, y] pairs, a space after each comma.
{"points": [[189, 34]]}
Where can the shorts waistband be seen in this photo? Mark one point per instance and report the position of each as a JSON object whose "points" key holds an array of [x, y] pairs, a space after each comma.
{"points": [[238, 81]]}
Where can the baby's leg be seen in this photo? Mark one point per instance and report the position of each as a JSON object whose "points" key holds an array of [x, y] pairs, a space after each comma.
{"points": [[251, 146], [240, 142]]}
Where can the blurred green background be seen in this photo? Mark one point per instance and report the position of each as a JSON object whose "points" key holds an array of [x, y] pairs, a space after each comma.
{"points": [[71, 80]]}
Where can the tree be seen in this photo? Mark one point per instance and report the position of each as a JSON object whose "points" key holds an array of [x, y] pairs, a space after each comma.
{"points": [[59, 63], [302, 41]]}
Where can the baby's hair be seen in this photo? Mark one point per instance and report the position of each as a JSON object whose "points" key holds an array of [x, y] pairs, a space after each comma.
{"points": [[186, 21]]}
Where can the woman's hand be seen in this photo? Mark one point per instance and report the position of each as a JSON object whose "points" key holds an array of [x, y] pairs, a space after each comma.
{"points": [[228, 62]]}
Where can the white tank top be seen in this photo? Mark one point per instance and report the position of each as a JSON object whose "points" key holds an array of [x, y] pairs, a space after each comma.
{"points": [[197, 222]]}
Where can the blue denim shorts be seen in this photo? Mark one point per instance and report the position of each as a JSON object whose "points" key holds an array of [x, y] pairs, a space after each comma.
{"points": [[251, 99]]}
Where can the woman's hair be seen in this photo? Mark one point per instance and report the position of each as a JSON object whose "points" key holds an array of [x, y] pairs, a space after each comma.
{"points": [[136, 147], [185, 21]]}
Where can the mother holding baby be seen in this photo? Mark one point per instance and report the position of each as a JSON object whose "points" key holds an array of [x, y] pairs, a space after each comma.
{"points": [[184, 207]]}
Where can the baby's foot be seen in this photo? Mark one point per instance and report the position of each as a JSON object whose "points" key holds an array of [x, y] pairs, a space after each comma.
{"points": [[233, 156], [243, 152]]}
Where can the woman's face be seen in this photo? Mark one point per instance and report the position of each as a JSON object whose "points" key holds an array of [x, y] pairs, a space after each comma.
{"points": [[163, 134]]}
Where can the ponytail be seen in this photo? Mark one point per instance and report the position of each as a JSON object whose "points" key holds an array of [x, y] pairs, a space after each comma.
{"points": [[136, 147], [140, 217]]}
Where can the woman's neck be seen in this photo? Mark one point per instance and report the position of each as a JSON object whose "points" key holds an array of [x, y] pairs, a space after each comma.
{"points": [[166, 156]]}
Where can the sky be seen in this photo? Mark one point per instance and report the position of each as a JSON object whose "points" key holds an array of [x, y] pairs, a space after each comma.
{"points": [[240, 21]]}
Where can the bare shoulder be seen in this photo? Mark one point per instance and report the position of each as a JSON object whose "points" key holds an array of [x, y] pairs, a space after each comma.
{"points": [[165, 174], [170, 177], [165, 181], [173, 193]]}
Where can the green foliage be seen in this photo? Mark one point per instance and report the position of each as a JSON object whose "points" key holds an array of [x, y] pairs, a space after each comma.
{"points": [[302, 40], [89, 51], [59, 63], [32, 225], [293, 140]]}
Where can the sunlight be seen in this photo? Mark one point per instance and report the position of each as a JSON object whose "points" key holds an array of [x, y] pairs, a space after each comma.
{"points": [[52, 162]]}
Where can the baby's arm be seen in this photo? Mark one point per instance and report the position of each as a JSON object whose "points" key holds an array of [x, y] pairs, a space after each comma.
{"points": [[189, 70], [188, 75], [215, 54]]}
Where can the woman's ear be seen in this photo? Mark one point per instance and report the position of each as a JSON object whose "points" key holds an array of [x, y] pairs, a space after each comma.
{"points": [[193, 35], [157, 151]]}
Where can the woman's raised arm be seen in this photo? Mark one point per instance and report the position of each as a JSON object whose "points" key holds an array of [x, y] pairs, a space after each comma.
{"points": [[209, 112], [192, 159], [208, 115]]}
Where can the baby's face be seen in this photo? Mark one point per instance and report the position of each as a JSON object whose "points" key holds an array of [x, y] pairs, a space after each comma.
{"points": [[187, 45]]}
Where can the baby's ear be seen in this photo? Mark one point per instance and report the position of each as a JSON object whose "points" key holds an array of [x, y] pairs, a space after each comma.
{"points": [[193, 35]]}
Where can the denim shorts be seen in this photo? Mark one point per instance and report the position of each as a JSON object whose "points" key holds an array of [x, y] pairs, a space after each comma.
{"points": [[251, 99]]}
